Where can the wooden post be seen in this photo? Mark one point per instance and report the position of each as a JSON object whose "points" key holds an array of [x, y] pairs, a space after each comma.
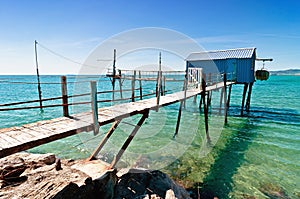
{"points": [[225, 98], [38, 75], [129, 139], [163, 90], [141, 89], [244, 96], [228, 99], [209, 98], [221, 100], [94, 104], [114, 75], [178, 119], [249, 97], [120, 84], [64, 95], [205, 109], [104, 140], [133, 86]]}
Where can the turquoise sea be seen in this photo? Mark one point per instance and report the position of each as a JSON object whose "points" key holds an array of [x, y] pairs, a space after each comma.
{"points": [[254, 156]]}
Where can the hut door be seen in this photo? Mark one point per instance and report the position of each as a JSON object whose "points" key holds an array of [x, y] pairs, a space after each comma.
{"points": [[231, 69]]}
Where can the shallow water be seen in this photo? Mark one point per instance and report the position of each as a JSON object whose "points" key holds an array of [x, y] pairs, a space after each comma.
{"points": [[253, 156]]}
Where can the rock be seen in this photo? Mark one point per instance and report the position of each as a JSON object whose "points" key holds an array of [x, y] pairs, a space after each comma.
{"points": [[135, 183], [58, 164], [170, 194]]}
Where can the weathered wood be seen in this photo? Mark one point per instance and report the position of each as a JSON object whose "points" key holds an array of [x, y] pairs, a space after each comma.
{"points": [[205, 108], [94, 106], [49, 130], [225, 98], [229, 94], [129, 139], [141, 89], [133, 86], [249, 97], [64, 93], [244, 96], [178, 120], [104, 140]]}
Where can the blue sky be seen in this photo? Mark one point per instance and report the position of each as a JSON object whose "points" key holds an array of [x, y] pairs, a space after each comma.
{"points": [[74, 28]]}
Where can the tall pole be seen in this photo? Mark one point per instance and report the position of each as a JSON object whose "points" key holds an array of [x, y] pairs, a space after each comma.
{"points": [[38, 75], [114, 74]]}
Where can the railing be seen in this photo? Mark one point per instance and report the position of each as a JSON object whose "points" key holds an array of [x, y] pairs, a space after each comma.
{"points": [[136, 90]]}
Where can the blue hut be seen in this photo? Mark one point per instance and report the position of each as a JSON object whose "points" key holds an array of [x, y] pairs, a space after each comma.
{"points": [[240, 63]]}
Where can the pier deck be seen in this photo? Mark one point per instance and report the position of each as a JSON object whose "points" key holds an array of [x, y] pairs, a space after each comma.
{"points": [[16, 139]]}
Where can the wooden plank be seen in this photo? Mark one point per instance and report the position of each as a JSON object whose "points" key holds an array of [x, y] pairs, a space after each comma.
{"points": [[20, 135], [7, 139]]}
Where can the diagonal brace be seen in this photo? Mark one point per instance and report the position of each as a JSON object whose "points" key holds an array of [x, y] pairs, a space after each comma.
{"points": [[129, 139]]}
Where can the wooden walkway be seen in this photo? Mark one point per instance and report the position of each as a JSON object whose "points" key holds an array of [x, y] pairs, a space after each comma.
{"points": [[17, 139]]}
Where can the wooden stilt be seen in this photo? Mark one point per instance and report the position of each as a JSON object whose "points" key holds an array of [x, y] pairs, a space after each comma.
{"points": [[113, 81], [64, 96], [141, 89], [38, 75], [203, 93], [249, 97], [104, 140], [133, 86], [164, 86], [94, 106], [129, 139], [225, 98], [244, 96], [228, 99], [221, 100], [209, 98], [120, 83], [178, 119]]}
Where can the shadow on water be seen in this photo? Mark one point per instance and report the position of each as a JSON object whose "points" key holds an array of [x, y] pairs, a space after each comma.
{"points": [[218, 182]]}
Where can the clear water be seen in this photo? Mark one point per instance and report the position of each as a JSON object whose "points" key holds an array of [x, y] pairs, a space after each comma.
{"points": [[256, 156]]}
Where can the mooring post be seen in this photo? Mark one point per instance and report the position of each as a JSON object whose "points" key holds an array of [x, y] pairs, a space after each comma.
{"points": [[244, 96], [64, 96], [133, 86], [94, 104], [141, 89]]}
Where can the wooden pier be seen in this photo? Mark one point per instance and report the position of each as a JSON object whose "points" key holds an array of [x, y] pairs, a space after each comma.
{"points": [[16, 139]]}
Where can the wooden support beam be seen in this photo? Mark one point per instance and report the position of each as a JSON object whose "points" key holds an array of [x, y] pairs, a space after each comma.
{"points": [[229, 94], [141, 89], [120, 84], [205, 108], [225, 98], [249, 97], [64, 93], [133, 86], [244, 96], [221, 100], [104, 140], [94, 105], [129, 139], [178, 119]]}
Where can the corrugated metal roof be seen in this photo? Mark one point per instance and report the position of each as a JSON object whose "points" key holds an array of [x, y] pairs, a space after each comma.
{"points": [[239, 53]]}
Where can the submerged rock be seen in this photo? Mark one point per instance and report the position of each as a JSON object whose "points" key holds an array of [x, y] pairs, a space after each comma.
{"points": [[274, 191], [138, 183]]}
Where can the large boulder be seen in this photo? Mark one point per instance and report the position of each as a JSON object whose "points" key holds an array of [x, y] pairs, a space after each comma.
{"points": [[137, 183]]}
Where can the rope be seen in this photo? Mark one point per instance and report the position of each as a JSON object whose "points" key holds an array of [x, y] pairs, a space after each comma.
{"points": [[64, 57]]}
